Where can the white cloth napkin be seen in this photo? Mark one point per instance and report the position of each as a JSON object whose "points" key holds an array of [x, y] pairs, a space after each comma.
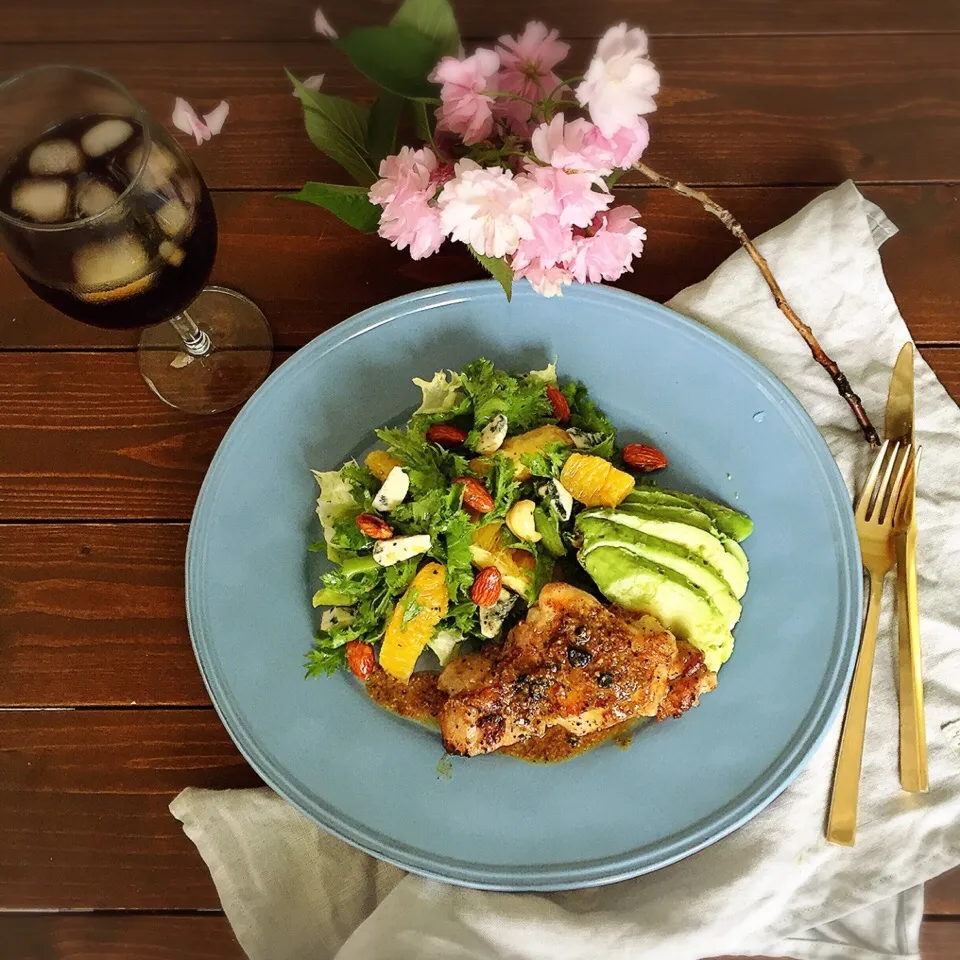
{"points": [[775, 887]]}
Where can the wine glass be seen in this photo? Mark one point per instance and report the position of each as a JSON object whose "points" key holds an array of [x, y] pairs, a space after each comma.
{"points": [[108, 220]]}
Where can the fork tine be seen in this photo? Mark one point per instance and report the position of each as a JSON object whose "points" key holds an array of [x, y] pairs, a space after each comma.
{"points": [[911, 475], [889, 508], [866, 495], [883, 488]]}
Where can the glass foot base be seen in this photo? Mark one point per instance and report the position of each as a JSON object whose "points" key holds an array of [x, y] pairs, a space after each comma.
{"points": [[228, 374]]}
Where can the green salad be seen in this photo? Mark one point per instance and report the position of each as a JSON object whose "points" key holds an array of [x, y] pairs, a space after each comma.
{"points": [[496, 485]]}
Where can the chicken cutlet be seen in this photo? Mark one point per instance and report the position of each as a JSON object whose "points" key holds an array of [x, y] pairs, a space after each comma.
{"points": [[572, 663]]}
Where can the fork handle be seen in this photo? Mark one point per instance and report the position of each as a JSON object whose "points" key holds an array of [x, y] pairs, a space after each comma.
{"points": [[913, 739], [842, 823]]}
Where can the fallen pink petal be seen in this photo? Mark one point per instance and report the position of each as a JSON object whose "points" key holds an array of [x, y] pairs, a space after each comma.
{"points": [[315, 82], [185, 118], [216, 118], [323, 26]]}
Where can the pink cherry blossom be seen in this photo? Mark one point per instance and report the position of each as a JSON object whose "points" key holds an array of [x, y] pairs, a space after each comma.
{"points": [[547, 281], [185, 118], [406, 187], [606, 253], [527, 64], [414, 224], [464, 107], [577, 145], [623, 149], [405, 175], [621, 81], [574, 198], [549, 243], [487, 208]]}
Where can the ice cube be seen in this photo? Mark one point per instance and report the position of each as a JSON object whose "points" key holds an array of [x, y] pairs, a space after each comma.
{"points": [[175, 218], [158, 169], [172, 253], [93, 197], [105, 136], [111, 269], [42, 200], [53, 157]]}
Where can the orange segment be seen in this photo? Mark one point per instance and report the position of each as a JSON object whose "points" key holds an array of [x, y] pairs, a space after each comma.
{"points": [[524, 559], [533, 441], [488, 550], [380, 463], [617, 485], [595, 482], [583, 476], [481, 466], [488, 537], [414, 619]]}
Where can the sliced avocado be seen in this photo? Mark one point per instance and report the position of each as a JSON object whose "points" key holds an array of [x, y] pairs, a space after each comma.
{"points": [[680, 605], [728, 521], [328, 597], [598, 532], [653, 496], [698, 541], [357, 566], [689, 516], [735, 550]]}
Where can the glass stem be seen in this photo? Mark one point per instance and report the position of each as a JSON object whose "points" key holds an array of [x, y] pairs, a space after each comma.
{"points": [[195, 341]]}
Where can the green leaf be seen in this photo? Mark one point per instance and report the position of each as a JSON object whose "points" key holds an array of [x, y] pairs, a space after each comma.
{"points": [[350, 204], [395, 58], [547, 462], [324, 659], [421, 121], [522, 399], [587, 416], [382, 127], [429, 467], [411, 607], [433, 19], [337, 128], [499, 269], [503, 488]]}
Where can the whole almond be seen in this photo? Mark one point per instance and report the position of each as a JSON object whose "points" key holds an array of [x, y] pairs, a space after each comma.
{"points": [[643, 458], [374, 527], [561, 407], [360, 659], [486, 587], [446, 435], [475, 495]]}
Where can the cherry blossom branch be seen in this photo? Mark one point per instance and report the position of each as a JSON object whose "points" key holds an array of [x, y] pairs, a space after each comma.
{"points": [[819, 354]]}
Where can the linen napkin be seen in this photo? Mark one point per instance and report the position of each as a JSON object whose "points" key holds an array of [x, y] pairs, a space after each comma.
{"points": [[774, 887]]}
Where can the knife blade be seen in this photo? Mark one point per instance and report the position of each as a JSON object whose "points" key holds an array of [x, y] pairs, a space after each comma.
{"points": [[913, 745], [899, 425]]}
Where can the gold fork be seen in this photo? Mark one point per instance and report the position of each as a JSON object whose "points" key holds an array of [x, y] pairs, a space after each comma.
{"points": [[875, 515]]}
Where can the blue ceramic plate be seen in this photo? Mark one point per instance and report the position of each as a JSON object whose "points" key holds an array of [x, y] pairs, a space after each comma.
{"points": [[372, 778]]}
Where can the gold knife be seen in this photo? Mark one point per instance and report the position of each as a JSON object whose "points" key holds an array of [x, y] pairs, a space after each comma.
{"points": [[913, 737]]}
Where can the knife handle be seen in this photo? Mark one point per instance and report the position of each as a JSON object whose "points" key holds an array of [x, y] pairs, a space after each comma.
{"points": [[842, 819], [913, 733]]}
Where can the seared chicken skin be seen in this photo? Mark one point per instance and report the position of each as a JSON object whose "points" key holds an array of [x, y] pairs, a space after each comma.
{"points": [[572, 663]]}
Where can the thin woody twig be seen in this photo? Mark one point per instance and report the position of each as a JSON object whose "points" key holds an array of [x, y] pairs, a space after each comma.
{"points": [[819, 354]]}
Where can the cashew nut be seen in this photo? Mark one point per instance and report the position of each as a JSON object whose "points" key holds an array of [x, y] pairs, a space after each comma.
{"points": [[520, 521]]}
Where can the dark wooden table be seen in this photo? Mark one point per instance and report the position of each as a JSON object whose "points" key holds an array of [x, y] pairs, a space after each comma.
{"points": [[104, 714]]}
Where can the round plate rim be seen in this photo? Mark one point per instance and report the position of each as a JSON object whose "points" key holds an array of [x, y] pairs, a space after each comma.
{"points": [[604, 870]]}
